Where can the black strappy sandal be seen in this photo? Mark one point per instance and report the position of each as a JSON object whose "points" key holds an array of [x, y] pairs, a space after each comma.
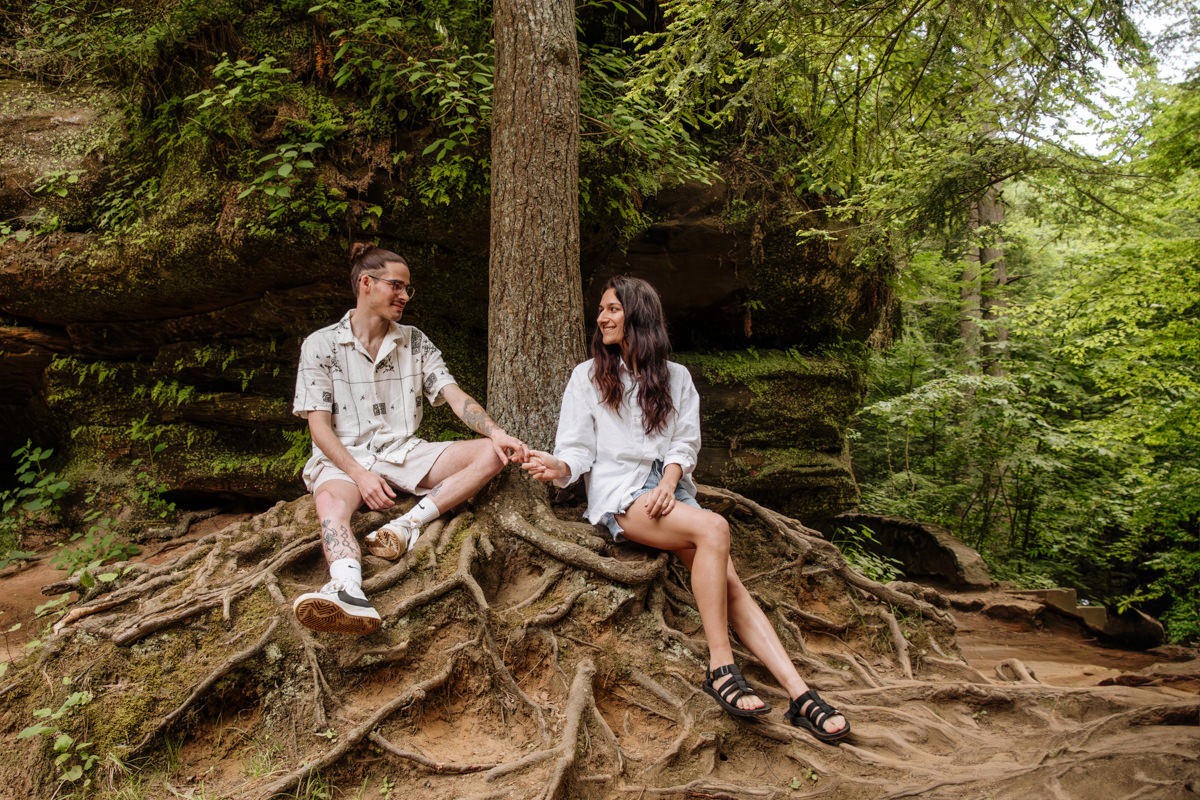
{"points": [[813, 719], [731, 691]]}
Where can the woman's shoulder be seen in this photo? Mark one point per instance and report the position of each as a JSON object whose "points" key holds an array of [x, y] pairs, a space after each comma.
{"points": [[582, 374], [678, 372]]}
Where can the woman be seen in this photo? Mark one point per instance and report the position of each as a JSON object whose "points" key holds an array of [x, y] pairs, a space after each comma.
{"points": [[630, 425]]}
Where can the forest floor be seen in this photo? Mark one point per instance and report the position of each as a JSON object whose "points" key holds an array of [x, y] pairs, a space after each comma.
{"points": [[1090, 722]]}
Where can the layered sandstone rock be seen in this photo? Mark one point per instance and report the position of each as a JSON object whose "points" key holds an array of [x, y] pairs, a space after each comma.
{"points": [[184, 330]]}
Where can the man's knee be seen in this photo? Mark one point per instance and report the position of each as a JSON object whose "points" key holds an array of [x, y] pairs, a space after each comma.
{"points": [[335, 505], [487, 460]]}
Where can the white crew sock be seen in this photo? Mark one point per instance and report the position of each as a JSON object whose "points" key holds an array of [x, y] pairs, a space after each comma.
{"points": [[423, 512], [349, 572]]}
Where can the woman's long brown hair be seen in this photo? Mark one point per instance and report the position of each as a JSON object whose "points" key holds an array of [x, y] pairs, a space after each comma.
{"points": [[648, 347]]}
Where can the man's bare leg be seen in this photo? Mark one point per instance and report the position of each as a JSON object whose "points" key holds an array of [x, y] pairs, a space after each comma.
{"points": [[459, 472], [340, 606], [336, 502]]}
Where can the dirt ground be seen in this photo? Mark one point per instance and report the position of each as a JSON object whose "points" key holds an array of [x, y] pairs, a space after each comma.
{"points": [[1097, 722]]}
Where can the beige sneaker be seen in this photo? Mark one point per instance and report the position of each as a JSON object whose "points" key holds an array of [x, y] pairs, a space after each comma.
{"points": [[337, 608], [393, 539]]}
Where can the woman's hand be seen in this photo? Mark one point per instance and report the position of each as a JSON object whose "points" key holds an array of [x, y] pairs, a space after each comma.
{"points": [[542, 466], [660, 500]]}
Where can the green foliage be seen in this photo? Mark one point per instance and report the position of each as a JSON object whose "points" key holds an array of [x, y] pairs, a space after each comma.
{"points": [[225, 110], [1073, 461], [856, 544], [58, 182], [893, 114], [96, 548], [148, 491], [73, 758], [36, 495]]}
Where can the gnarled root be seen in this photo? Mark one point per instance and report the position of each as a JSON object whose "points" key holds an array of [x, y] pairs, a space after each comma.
{"points": [[507, 624], [579, 700], [1013, 669]]}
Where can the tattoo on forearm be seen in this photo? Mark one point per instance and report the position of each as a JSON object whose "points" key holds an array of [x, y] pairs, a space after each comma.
{"points": [[476, 418], [338, 541]]}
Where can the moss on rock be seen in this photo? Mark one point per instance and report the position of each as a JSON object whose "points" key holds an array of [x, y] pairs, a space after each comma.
{"points": [[774, 426]]}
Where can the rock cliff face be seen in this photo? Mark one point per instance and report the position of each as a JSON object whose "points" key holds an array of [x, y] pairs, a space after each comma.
{"points": [[185, 332]]}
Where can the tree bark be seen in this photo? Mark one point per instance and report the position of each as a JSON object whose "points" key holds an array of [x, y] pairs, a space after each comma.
{"points": [[969, 309], [535, 313], [994, 280]]}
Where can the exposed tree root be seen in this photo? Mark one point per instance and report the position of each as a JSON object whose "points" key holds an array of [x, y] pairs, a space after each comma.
{"points": [[812, 547], [441, 768], [704, 788], [627, 572], [685, 720], [526, 626], [222, 669], [579, 701], [1013, 669], [181, 526], [898, 641], [320, 686], [350, 738]]}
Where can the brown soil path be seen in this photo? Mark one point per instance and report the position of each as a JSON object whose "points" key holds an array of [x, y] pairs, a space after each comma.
{"points": [[21, 585], [948, 735]]}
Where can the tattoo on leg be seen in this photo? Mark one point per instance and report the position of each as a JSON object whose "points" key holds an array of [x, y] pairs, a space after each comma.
{"points": [[432, 492], [476, 418], [338, 541]]}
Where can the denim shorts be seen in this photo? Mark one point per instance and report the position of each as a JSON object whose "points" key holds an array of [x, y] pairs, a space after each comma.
{"points": [[609, 520]]}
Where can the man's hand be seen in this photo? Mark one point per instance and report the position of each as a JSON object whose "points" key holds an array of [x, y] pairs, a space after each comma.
{"points": [[376, 492], [508, 448], [542, 466]]}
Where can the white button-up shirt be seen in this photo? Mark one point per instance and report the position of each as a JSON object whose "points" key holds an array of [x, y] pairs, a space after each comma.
{"points": [[375, 402], [611, 450]]}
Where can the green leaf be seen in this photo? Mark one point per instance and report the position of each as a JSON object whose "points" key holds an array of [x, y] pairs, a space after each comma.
{"points": [[35, 730], [62, 742], [86, 580], [73, 774], [285, 170]]}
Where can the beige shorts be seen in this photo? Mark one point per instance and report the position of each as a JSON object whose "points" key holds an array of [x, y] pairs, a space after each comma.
{"points": [[405, 476]]}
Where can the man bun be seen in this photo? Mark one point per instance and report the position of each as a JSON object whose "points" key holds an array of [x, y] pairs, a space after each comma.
{"points": [[359, 249], [369, 258]]}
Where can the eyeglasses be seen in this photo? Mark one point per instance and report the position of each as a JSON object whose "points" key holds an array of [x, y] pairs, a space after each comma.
{"points": [[397, 286]]}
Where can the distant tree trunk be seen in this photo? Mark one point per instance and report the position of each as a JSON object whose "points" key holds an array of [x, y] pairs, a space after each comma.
{"points": [[994, 280], [970, 310], [535, 311]]}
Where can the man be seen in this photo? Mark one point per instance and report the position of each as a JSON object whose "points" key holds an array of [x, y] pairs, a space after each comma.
{"points": [[359, 385]]}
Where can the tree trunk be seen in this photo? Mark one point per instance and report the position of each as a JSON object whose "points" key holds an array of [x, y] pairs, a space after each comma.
{"points": [[969, 313], [994, 279], [535, 313]]}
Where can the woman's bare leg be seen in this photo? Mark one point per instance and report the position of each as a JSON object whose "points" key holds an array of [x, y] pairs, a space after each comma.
{"points": [[757, 633], [706, 536]]}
